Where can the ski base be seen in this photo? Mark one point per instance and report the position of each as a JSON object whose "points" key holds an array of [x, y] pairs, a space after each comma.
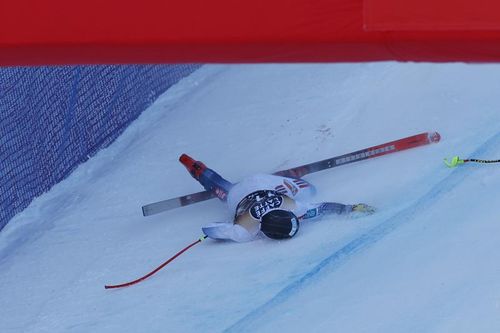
{"points": [[169, 204]]}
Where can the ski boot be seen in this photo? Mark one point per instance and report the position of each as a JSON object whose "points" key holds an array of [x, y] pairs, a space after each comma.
{"points": [[208, 178], [195, 168]]}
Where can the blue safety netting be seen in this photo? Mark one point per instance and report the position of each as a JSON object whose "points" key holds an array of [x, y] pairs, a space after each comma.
{"points": [[54, 118]]}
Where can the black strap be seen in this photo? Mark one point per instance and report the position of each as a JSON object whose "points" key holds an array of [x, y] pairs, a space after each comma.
{"points": [[481, 161]]}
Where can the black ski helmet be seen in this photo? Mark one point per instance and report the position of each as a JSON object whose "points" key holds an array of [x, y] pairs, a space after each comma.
{"points": [[279, 224]]}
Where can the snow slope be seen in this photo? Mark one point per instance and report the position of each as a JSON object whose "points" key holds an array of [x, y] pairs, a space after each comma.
{"points": [[426, 262]]}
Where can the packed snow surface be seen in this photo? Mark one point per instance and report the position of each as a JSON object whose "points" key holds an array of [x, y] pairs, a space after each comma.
{"points": [[427, 261]]}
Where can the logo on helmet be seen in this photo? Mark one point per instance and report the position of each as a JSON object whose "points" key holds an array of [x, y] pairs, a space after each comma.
{"points": [[270, 202], [295, 227]]}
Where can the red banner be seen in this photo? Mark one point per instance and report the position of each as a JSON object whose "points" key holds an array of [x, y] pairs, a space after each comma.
{"points": [[34, 32]]}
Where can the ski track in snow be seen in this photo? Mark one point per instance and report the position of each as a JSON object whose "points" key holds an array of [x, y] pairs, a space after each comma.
{"points": [[331, 263]]}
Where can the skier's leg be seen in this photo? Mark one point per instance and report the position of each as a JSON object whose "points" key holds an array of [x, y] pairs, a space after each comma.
{"points": [[208, 178]]}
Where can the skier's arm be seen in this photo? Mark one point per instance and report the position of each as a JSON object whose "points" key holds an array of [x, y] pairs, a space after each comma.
{"points": [[328, 208], [228, 231]]}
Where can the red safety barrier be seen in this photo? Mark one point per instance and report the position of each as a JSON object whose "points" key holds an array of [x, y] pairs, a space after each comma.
{"points": [[34, 32]]}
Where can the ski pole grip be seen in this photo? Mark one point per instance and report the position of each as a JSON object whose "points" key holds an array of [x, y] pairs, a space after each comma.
{"points": [[455, 160]]}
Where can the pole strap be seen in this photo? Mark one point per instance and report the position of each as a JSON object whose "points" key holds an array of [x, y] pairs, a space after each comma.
{"points": [[456, 161]]}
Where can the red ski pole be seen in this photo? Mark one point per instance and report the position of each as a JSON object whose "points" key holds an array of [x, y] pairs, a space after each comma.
{"points": [[158, 268]]}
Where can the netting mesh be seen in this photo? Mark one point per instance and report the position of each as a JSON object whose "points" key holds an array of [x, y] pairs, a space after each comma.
{"points": [[53, 118]]}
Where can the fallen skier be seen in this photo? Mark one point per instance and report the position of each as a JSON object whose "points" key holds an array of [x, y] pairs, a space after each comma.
{"points": [[268, 204]]}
